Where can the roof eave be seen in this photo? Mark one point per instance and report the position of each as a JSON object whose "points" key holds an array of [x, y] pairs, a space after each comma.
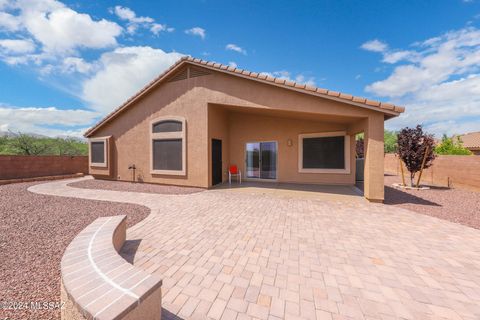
{"points": [[389, 110]]}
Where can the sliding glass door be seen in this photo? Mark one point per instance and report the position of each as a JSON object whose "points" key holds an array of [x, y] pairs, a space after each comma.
{"points": [[261, 160]]}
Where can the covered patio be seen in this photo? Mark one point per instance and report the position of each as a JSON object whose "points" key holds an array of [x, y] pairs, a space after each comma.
{"points": [[301, 147], [295, 191]]}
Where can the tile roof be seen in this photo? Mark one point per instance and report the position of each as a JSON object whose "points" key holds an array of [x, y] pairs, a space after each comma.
{"points": [[471, 140], [262, 77]]}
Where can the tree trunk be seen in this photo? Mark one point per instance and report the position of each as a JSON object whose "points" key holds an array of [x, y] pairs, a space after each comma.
{"points": [[412, 177]]}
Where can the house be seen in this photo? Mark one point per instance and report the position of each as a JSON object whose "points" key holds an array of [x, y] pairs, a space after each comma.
{"points": [[196, 119], [471, 141]]}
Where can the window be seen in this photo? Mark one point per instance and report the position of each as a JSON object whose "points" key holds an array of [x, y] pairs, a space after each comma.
{"points": [[98, 152], [168, 146], [327, 152]]}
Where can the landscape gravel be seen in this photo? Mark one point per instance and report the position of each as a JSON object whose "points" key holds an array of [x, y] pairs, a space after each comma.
{"points": [[134, 187], [456, 205], [34, 232]]}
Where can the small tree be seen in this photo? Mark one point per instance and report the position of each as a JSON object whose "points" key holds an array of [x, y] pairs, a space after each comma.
{"points": [[451, 146], [25, 144], [360, 148], [412, 146], [390, 140]]}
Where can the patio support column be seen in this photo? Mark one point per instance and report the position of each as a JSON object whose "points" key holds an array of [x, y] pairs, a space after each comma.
{"points": [[374, 155]]}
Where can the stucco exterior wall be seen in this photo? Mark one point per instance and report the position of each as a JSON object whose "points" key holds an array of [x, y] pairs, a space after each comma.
{"points": [[245, 128], [218, 128], [131, 134], [206, 103]]}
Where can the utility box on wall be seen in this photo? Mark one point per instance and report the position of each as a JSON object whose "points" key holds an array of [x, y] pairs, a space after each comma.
{"points": [[360, 165]]}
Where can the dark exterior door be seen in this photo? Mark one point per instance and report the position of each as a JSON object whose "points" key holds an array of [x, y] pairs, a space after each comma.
{"points": [[216, 161]]}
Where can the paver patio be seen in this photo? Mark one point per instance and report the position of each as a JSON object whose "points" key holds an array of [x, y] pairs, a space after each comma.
{"points": [[245, 254]]}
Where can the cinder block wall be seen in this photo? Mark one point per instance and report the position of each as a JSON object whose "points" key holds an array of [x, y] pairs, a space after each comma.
{"points": [[16, 167], [462, 171]]}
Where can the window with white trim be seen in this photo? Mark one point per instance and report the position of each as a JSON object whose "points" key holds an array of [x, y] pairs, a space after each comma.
{"points": [[98, 152], [326, 152], [168, 146]]}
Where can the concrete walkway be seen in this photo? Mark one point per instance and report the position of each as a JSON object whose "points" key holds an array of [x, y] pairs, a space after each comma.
{"points": [[245, 255]]}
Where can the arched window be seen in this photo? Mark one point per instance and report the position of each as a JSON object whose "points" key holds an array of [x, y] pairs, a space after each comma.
{"points": [[168, 146]]}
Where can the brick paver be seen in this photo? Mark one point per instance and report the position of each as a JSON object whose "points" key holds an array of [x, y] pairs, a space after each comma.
{"points": [[226, 254]]}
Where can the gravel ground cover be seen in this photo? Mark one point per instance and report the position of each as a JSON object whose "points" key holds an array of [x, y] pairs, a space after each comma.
{"points": [[34, 232], [134, 187], [456, 205]]}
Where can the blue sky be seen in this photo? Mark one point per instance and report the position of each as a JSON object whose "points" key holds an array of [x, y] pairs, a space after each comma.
{"points": [[64, 65]]}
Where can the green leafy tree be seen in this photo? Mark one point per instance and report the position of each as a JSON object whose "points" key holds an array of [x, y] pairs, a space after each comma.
{"points": [[24, 144], [451, 146], [3, 144], [390, 138]]}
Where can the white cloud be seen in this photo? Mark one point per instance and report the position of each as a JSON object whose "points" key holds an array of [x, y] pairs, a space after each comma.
{"points": [[286, 75], [196, 31], [156, 28], [123, 72], [76, 64], [135, 22], [128, 14], [44, 120], [232, 64], [396, 56], [374, 46], [17, 46], [58, 28], [438, 82], [9, 22], [234, 47]]}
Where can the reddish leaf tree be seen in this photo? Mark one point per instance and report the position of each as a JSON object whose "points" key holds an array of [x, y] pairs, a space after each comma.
{"points": [[360, 148], [412, 145]]}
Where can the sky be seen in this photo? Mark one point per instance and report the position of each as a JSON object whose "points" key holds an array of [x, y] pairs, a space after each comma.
{"points": [[65, 65]]}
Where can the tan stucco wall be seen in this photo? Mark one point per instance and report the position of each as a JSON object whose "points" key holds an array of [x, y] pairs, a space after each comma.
{"points": [[218, 125], [191, 99], [245, 128]]}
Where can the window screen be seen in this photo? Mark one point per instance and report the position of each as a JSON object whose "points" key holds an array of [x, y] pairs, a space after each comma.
{"points": [[167, 126], [167, 154], [97, 149], [324, 153]]}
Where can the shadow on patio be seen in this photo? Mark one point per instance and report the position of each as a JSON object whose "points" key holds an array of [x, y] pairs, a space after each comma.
{"points": [[293, 190]]}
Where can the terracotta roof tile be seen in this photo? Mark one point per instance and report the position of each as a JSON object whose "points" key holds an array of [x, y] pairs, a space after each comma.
{"points": [[321, 90], [388, 106], [346, 96], [300, 85], [258, 76], [372, 103], [471, 140], [359, 99]]}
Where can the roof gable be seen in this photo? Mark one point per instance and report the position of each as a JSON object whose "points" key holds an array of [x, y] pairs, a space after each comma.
{"points": [[189, 67]]}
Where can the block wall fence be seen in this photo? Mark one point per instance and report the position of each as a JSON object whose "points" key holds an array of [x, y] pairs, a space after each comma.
{"points": [[453, 171], [19, 167]]}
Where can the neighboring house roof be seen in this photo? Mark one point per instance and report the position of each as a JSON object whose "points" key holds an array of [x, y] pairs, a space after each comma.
{"points": [[387, 108], [471, 140]]}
